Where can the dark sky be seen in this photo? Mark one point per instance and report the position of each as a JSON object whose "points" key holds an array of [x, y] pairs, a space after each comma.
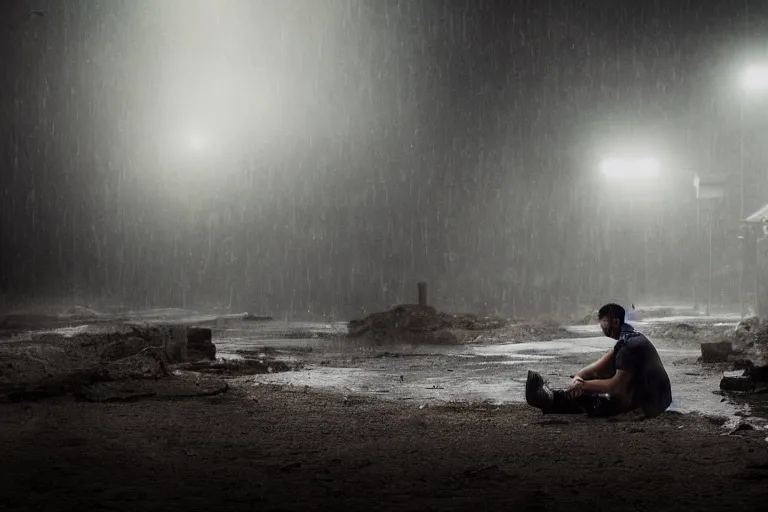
{"points": [[449, 140]]}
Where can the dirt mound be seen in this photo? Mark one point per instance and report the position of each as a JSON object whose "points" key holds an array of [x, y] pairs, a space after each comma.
{"points": [[410, 323], [415, 324], [685, 332], [751, 335], [520, 332]]}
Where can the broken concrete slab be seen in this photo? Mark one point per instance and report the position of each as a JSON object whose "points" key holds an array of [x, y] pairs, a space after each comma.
{"points": [[200, 344], [716, 352], [740, 383], [59, 362]]}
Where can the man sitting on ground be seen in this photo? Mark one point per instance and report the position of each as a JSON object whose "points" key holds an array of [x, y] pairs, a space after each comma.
{"points": [[630, 376]]}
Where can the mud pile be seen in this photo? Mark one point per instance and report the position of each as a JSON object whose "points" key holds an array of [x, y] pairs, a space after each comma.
{"points": [[686, 332], [409, 323], [751, 337], [520, 332], [56, 363]]}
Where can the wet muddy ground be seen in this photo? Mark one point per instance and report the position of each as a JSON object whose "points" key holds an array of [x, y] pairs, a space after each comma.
{"points": [[341, 428], [267, 448], [492, 372]]}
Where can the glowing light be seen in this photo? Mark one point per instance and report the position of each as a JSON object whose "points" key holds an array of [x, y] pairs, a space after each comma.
{"points": [[755, 78], [617, 168], [196, 142]]}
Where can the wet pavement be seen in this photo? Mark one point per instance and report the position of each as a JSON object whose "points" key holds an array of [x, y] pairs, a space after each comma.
{"points": [[488, 372], [492, 372]]}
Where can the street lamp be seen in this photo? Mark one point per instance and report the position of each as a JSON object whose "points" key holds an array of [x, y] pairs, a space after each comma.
{"points": [[710, 190], [625, 169], [755, 78]]}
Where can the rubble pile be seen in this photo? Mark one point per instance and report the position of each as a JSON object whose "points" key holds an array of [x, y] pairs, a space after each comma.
{"points": [[406, 323], [746, 347], [56, 363], [410, 323], [685, 332]]}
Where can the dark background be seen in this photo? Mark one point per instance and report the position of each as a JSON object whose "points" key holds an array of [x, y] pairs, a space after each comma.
{"points": [[451, 141]]}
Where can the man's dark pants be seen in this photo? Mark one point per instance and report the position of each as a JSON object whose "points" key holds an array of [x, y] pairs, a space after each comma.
{"points": [[595, 405]]}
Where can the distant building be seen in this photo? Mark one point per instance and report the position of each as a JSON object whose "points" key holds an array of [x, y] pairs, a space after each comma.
{"points": [[755, 260]]}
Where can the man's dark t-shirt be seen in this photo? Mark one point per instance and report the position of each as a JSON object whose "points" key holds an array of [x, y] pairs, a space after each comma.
{"points": [[635, 354]]}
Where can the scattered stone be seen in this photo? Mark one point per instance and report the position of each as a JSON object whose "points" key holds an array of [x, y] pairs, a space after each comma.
{"points": [[740, 384], [237, 367], [741, 427]]}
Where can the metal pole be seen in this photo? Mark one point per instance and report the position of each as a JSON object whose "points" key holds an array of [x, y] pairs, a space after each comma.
{"points": [[741, 158], [422, 293], [742, 265], [697, 260], [741, 211], [709, 292], [758, 276]]}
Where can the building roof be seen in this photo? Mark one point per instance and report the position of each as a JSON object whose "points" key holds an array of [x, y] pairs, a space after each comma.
{"points": [[759, 217]]}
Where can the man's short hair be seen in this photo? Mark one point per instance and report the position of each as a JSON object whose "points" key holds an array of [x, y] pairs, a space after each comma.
{"points": [[611, 311]]}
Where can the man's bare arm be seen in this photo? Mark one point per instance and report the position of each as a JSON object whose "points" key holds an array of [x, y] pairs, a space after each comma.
{"points": [[598, 368], [617, 385]]}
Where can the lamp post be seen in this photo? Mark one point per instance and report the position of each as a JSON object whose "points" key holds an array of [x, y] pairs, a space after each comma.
{"points": [[710, 189]]}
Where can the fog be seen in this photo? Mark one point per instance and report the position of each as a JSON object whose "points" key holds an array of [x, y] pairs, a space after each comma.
{"points": [[317, 158]]}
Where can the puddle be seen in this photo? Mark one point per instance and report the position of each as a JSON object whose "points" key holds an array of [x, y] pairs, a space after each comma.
{"points": [[495, 373]]}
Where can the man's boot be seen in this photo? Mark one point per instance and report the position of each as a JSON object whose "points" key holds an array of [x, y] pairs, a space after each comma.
{"points": [[550, 401]]}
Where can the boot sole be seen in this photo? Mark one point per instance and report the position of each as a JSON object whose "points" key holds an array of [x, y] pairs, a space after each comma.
{"points": [[532, 384]]}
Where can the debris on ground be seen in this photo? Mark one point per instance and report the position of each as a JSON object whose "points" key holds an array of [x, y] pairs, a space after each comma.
{"points": [[68, 360], [416, 324], [716, 352], [685, 331], [239, 367], [748, 355]]}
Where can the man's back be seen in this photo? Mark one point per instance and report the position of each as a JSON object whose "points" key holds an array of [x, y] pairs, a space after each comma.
{"points": [[651, 388]]}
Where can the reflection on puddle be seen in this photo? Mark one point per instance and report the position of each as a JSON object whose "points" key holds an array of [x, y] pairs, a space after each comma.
{"points": [[494, 373], [562, 347]]}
